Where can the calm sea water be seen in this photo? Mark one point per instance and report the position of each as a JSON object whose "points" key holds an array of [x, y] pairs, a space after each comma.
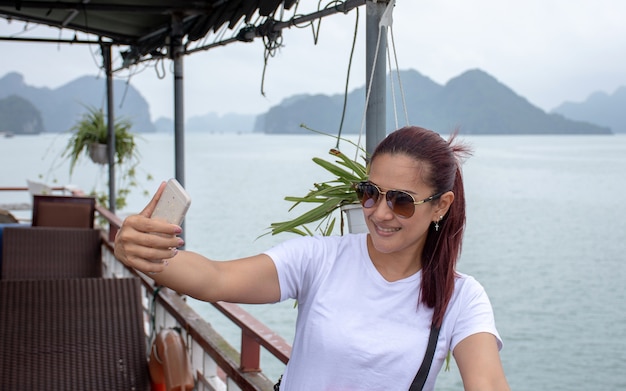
{"points": [[546, 234]]}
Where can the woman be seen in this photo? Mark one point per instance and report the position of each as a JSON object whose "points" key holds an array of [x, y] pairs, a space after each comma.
{"points": [[366, 302]]}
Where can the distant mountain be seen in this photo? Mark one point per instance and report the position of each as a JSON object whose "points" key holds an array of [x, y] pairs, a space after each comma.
{"points": [[61, 107], [323, 112], [475, 102], [215, 123], [164, 125], [600, 108], [211, 123], [19, 116], [479, 104]]}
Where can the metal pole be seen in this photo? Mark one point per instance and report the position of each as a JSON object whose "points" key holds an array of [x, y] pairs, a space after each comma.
{"points": [[376, 71], [177, 55], [177, 52], [106, 55]]}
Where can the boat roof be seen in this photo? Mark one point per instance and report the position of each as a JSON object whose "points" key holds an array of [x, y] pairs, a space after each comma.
{"points": [[154, 29], [145, 26]]}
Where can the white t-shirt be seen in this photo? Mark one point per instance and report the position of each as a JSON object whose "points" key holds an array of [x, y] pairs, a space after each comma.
{"points": [[357, 331]]}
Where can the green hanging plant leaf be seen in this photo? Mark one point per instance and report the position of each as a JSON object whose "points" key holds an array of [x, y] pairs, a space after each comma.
{"points": [[331, 195], [92, 128]]}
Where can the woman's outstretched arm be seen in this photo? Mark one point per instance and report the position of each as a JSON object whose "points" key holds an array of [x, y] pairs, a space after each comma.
{"points": [[151, 246]]}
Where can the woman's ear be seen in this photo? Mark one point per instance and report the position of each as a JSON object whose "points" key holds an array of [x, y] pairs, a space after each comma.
{"points": [[443, 204]]}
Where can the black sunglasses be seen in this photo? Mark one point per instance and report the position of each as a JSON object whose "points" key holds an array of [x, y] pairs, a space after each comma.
{"points": [[400, 202]]}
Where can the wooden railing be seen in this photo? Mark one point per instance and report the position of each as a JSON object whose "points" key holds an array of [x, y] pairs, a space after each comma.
{"points": [[217, 365]]}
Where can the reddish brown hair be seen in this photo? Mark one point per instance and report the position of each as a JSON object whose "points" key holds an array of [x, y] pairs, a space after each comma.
{"points": [[442, 162]]}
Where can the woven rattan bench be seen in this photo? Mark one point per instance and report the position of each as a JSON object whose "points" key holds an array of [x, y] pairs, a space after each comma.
{"points": [[49, 253], [73, 334]]}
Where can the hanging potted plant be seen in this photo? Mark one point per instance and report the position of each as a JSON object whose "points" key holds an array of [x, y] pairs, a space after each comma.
{"points": [[335, 194], [90, 138]]}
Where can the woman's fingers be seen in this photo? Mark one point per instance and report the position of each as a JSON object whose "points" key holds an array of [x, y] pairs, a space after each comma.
{"points": [[142, 224], [147, 211], [142, 242], [147, 259]]}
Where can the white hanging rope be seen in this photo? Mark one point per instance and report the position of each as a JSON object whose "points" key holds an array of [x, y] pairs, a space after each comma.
{"points": [[393, 90], [404, 106]]}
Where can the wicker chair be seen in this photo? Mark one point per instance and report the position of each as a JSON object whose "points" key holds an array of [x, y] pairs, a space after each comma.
{"points": [[50, 253], [72, 334], [63, 211]]}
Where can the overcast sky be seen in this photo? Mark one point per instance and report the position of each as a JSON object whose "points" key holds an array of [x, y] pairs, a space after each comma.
{"points": [[548, 51]]}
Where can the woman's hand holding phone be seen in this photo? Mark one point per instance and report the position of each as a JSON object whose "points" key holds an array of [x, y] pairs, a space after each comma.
{"points": [[145, 240]]}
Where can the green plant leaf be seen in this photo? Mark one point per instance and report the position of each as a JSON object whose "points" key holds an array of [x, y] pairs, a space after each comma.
{"points": [[92, 128], [308, 217], [330, 194]]}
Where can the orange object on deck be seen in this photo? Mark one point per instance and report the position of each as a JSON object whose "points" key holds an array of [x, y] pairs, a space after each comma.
{"points": [[170, 367]]}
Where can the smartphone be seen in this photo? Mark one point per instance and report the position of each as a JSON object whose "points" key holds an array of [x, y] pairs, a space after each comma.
{"points": [[173, 204]]}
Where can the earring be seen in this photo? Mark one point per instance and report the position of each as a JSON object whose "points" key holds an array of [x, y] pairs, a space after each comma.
{"points": [[437, 223]]}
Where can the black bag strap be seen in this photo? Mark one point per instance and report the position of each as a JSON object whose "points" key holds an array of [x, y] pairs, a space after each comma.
{"points": [[422, 373]]}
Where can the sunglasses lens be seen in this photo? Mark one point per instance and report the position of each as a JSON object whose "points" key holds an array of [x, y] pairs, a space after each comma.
{"points": [[401, 203], [368, 194]]}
